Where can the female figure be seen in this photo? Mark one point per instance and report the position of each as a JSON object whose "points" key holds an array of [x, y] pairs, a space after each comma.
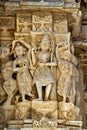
{"points": [[66, 69], [21, 66], [67, 64], [43, 76]]}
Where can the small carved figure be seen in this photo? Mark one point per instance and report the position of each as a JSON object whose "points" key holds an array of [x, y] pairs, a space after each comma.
{"points": [[74, 93], [64, 82], [67, 63], [43, 76], [65, 67], [21, 67], [9, 85]]}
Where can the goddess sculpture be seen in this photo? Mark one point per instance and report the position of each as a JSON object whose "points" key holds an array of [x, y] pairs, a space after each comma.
{"points": [[21, 67], [43, 76], [67, 63]]}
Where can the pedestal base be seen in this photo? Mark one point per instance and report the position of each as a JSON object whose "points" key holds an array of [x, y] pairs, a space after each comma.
{"points": [[44, 109], [23, 110], [45, 129], [43, 124], [7, 112]]}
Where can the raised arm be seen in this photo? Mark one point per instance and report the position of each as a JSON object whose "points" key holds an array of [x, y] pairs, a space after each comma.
{"points": [[33, 56], [24, 43], [15, 68]]}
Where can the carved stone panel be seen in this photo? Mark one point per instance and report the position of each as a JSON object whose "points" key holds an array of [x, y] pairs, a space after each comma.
{"points": [[42, 21], [39, 71], [7, 28], [60, 24], [7, 25], [24, 22]]}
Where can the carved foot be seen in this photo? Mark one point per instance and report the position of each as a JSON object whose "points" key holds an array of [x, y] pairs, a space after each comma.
{"points": [[6, 104], [30, 95], [24, 100], [38, 99]]}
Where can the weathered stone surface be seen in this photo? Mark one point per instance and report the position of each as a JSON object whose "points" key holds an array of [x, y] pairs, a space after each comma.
{"points": [[70, 4], [22, 110], [28, 3], [12, 4], [40, 79], [44, 109]]}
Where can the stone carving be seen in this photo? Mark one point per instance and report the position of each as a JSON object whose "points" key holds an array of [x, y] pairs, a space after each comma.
{"points": [[23, 110], [4, 59], [4, 52], [2, 94], [20, 67], [42, 109], [43, 75], [45, 122], [36, 65], [67, 64], [60, 24], [24, 26], [2, 116], [23, 23], [85, 94], [68, 111], [7, 21], [7, 27], [42, 21], [65, 69], [9, 85]]}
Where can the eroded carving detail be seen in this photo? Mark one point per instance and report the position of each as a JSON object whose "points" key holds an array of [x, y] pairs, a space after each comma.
{"points": [[20, 67], [46, 123], [39, 72], [24, 23], [43, 75], [42, 21]]}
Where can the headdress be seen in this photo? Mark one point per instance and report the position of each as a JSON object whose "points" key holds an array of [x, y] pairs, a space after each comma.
{"points": [[45, 41]]}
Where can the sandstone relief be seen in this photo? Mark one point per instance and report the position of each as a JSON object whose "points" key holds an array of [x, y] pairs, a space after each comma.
{"points": [[39, 71]]}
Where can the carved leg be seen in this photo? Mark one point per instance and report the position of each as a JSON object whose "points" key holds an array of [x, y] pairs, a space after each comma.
{"points": [[30, 94], [64, 98], [66, 90], [23, 97], [8, 102], [39, 91], [30, 90], [47, 91], [73, 91], [17, 98], [77, 96]]}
